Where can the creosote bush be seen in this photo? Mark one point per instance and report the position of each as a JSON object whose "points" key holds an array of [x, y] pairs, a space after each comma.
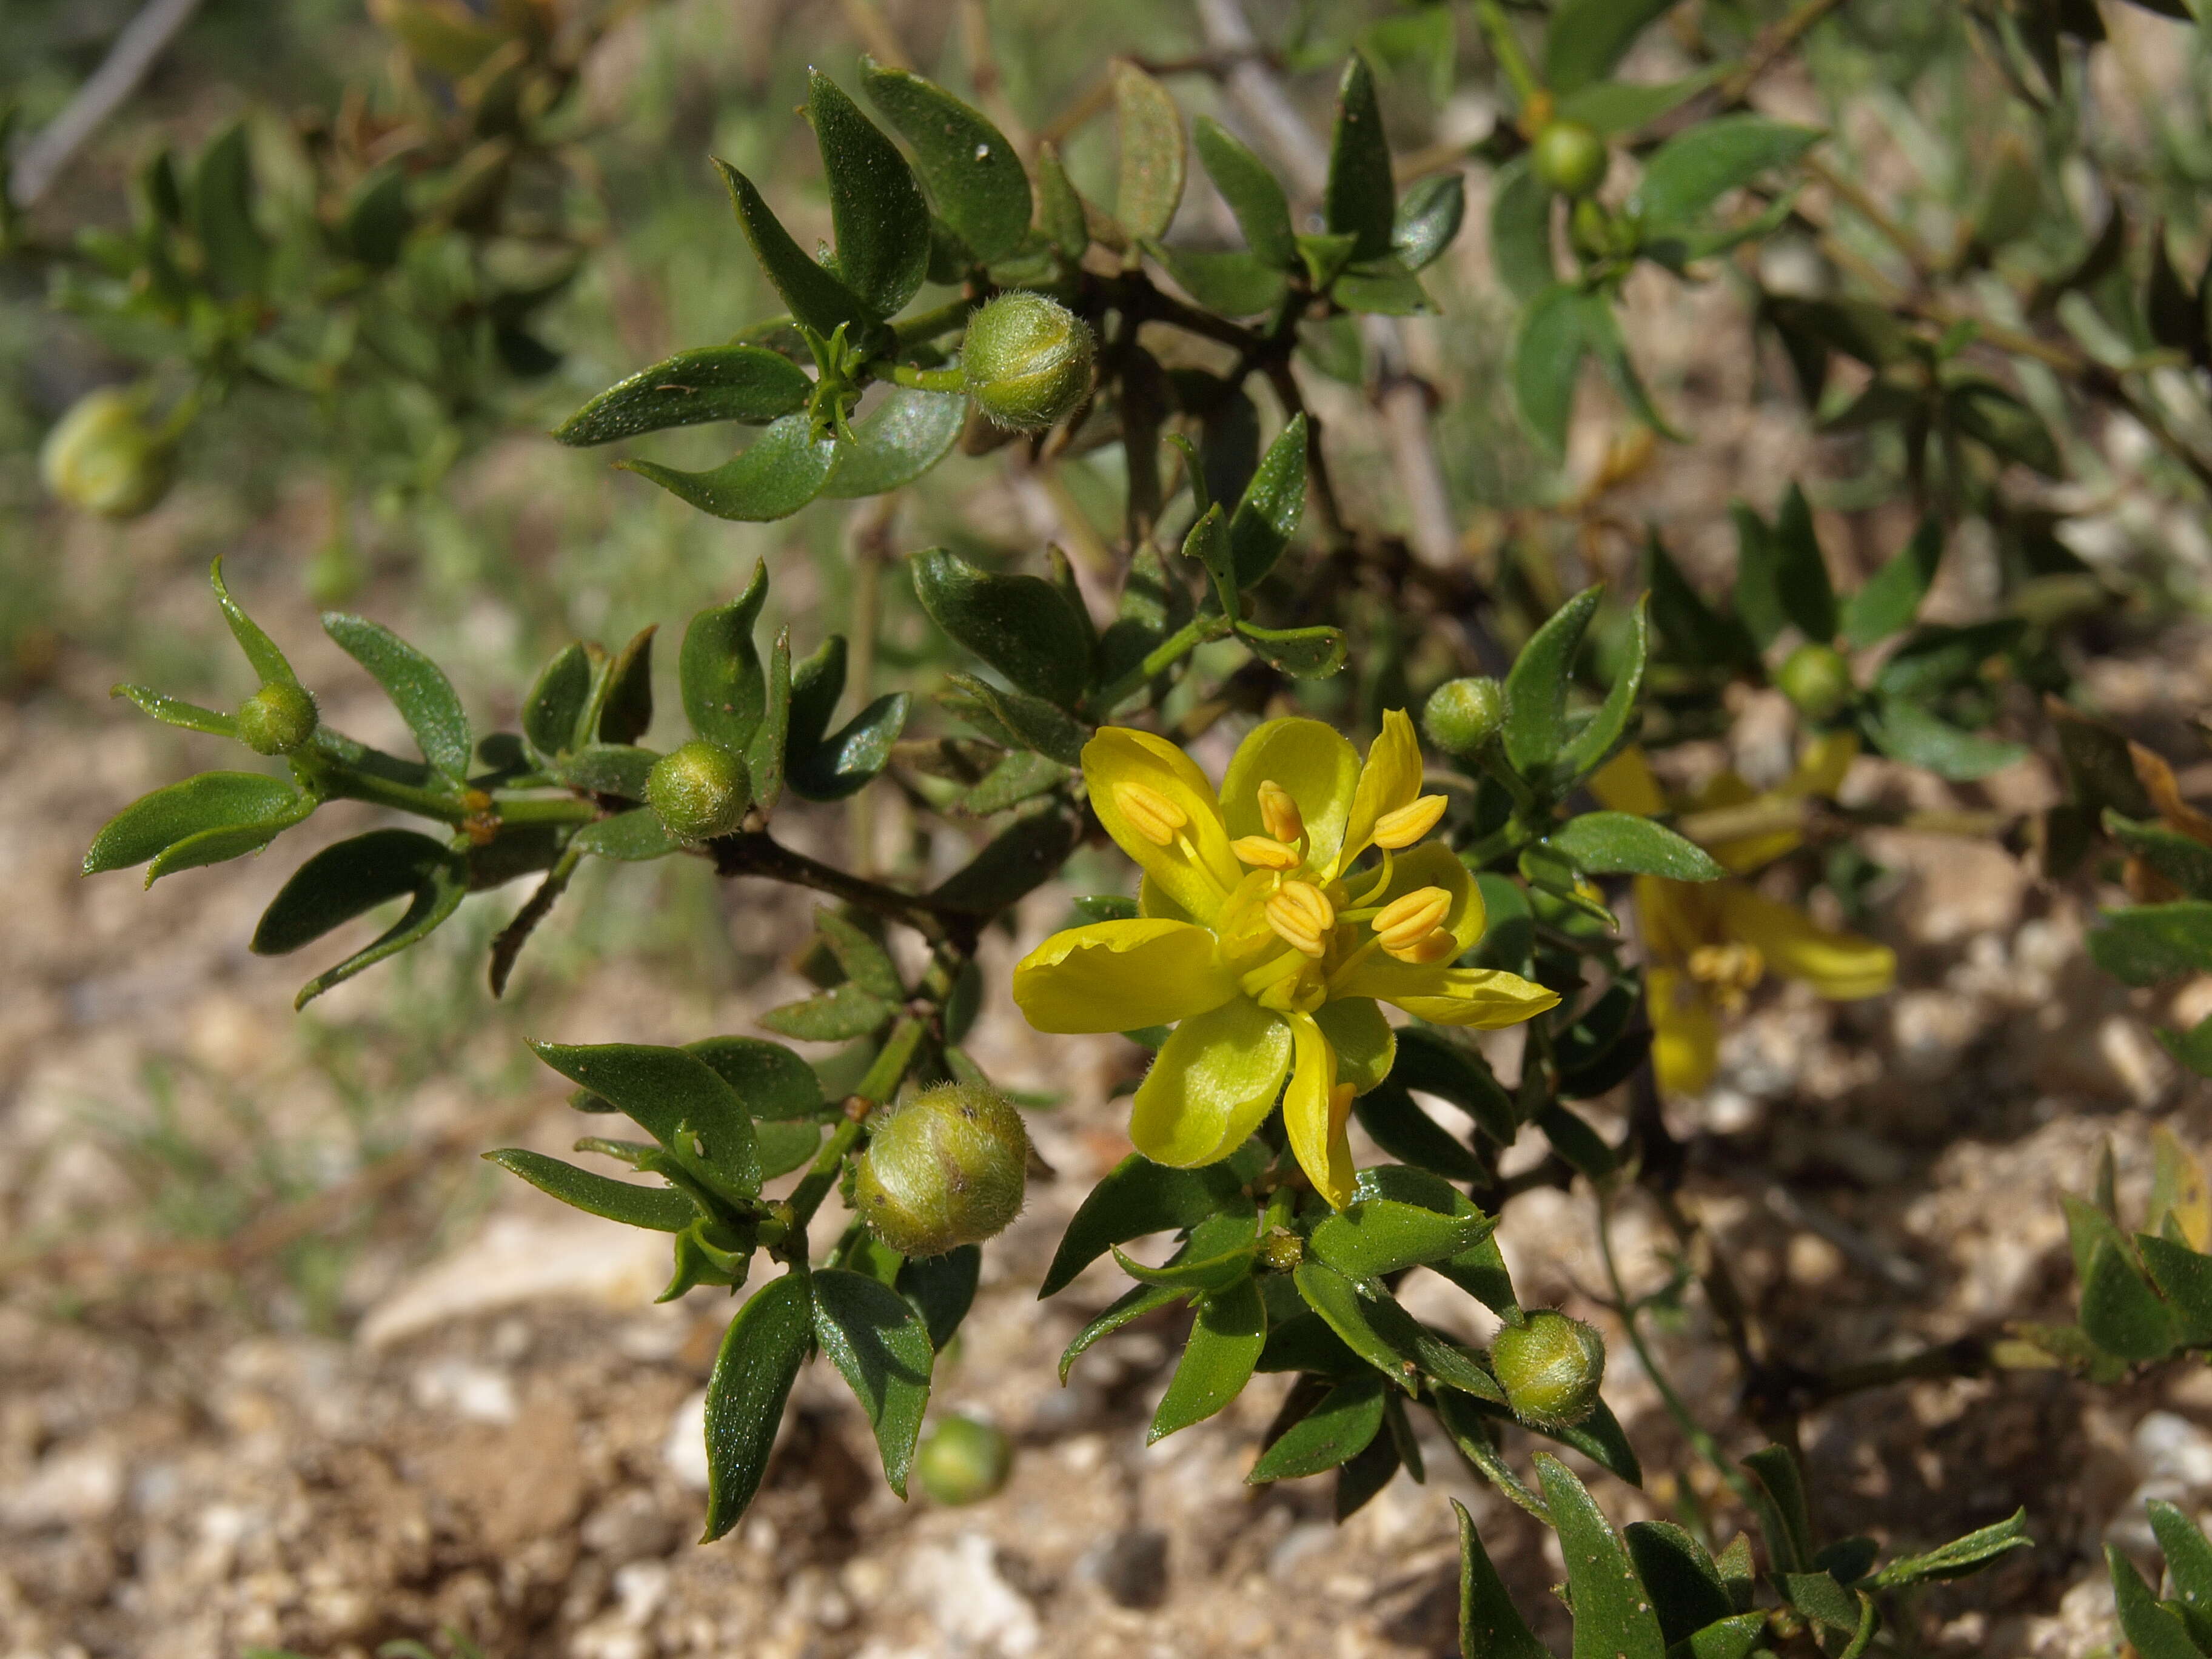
{"points": [[1307, 913]]}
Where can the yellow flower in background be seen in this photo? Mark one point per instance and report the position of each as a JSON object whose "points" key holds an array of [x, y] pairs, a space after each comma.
{"points": [[1707, 945], [1255, 932]]}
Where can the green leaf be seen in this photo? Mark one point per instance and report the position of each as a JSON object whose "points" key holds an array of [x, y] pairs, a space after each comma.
{"points": [[1613, 1615], [260, 650], [2192, 1047], [1378, 1236], [1019, 719], [754, 1370], [663, 1209], [1428, 216], [1217, 1361], [227, 841], [418, 688], [1253, 194], [1060, 209], [1137, 1198], [1684, 1585], [783, 470], [1608, 728], [814, 294], [1403, 1130], [1907, 732], [677, 1099], [880, 1347], [1303, 653], [237, 254], [1020, 625], [1126, 1309], [1357, 202], [1978, 1548], [2182, 860], [1436, 1064], [153, 824], [1520, 231], [1234, 284], [1695, 168], [175, 711], [1019, 777], [1490, 1626], [1548, 359], [1273, 505], [2188, 1555], [850, 758], [864, 959], [2185, 1277], [1389, 1338], [343, 881], [1535, 729], [880, 221], [1587, 38], [1783, 1516], [2145, 944], [1149, 183], [942, 1288], [1733, 1638], [1602, 329], [1620, 843], [2153, 1630], [896, 442], [1799, 575], [724, 691], [973, 176], [1028, 852], [770, 1080], [554, 707], [1478, 1269], [633, 837], [377, 218], [764, 755], [1992, 415], [1892, 595], [2120, 1312], [713, 383], [835, 1015], [1821, 1598], [1338, 1428], [626, 698], [1688, 626], [1610, 108], [1219, 1252], [442, 888]]}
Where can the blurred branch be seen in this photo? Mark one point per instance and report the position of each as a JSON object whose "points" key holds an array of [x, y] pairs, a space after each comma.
{"points": [[143, 40], [883, 44], [1771, 45]]}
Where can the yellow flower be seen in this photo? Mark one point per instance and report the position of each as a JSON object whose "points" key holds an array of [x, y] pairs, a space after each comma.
{"points": [[1255, 932], [1706, 945]]}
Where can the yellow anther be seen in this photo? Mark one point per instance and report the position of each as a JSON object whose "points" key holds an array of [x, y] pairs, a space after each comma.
{"points": [[1431, 947], [1729, 971], [1150, 813], [1302, 917], [1279, 814], [1402, 828], [1407, 920], [1264, 853]]}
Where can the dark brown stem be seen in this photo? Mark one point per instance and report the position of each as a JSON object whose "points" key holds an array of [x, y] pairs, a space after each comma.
{"points": [[756, 852]]}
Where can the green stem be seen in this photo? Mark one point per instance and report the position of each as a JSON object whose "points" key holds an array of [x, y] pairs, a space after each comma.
{"points": [[1198, 631], [437, 803], [1498, 28], [924, 380], [880, 1084]]}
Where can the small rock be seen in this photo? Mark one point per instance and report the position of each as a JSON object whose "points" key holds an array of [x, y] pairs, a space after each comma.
{"points": [[971, 1604], [475, 1392], [69, 1488], [684, 1450], [1293, 1558], [1132, 1567], [516, 1260], [629, 1527]]}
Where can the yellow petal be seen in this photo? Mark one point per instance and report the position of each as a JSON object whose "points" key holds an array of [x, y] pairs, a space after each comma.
{"points": [[1365, 1045], [1841, 966], [1686, 1039], [1483, 998], [1195, 868], [1677, 917], [1314, 1114], [1625, 784], [1152, 902], [1311, 760], [1390, 779], [1214, 1081], [1118, 975], [1821, 768]]}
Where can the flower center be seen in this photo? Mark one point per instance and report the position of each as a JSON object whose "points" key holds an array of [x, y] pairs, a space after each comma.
{"points": [[1302, 916], [1729, 971]]}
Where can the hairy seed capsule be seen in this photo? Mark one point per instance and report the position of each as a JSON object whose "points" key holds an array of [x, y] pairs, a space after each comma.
{"points": [[964, 1462], [1570, 159], [1549, 1368], [700, 790], [102, 458], [1463, 716], [277, 719], [946, 1168], [1027, 360], [1817, 678]]}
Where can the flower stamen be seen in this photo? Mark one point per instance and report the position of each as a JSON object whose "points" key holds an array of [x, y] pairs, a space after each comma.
{"points": [[1302, 916], [1264, 853], [1279, 814], [1411, 917], [1150, 813], [1401, 829], [1731, 971]]}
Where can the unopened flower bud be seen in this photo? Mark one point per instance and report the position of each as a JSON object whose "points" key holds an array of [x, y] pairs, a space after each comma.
{"points": [[1549, 1368], [1817, 678], [700, 790], [1463, 716], [1027, 360], [964, 1462], [1590, 230], [277, 719], [946, 1168], [102, 458], [1570, 159]]}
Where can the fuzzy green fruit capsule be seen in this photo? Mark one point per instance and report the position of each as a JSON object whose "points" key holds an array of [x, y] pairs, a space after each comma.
{"points": [[102, 458], [1570, 159], [277, 719], [1549, 1368], [1463, 716], [946, 1168], [1027, 361], [964, 1462], [1817, 678], [700, 790]]}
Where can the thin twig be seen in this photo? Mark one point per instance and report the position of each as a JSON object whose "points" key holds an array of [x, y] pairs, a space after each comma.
{"points": [[1771, 46], [143, 41]]}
